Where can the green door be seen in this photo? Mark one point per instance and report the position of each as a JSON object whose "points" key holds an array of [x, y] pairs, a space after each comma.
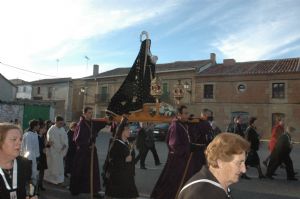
{"points": [[35, 112]]}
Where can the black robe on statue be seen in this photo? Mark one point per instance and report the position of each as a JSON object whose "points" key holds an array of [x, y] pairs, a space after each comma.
{"points": [[80, 174], [135, 90]]}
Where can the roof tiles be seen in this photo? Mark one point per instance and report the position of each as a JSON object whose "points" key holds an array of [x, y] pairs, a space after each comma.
{"points": [[179, 65], [256, 67]]}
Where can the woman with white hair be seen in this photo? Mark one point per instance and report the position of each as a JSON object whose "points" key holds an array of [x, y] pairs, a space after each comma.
{"points": [[226, 156]]}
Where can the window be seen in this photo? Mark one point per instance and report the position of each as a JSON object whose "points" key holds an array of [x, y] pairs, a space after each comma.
{"points": [[241, 87], [24, 89], [278, 90], [104, 94], [165, 88], [38, 90], [276, 116], [208, 91], [49, 92], [165, 94]]}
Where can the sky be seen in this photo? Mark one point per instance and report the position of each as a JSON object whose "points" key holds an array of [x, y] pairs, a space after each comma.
{"points": [[65, 38]]}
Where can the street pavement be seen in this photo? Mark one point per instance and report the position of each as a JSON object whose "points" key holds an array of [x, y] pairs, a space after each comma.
{"points": [[279, 188]]}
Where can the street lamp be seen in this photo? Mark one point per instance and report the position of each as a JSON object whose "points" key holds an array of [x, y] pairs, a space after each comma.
{"points": [[187, 87], [83, 91], [87, 62]]}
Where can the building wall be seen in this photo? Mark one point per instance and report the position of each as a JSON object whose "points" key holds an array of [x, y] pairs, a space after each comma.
{"points": [[10, 112], [256, 100], [7, 91], [24, 92], [77, 98], [171, 78], [114, 83], [25, 112], [59, 92]]}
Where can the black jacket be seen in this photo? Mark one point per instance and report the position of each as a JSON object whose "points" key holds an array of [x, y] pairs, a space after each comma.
{"points": [[121, 182], [202, 190], [238, 129], [283, 146], [42, 160], [23, 178], [141, 139], [253, 137]]}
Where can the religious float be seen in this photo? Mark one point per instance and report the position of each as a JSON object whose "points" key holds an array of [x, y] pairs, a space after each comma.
{"points": [[138, 98]]}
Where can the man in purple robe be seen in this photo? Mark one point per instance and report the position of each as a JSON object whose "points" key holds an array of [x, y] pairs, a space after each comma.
{"points": [[178, 141], [85, 137]]}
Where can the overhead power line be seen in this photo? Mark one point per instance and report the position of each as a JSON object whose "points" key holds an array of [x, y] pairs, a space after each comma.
{"points": [[29, 71]]}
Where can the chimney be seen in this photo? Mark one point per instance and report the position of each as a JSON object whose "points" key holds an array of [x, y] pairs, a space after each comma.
{"points": [[213, 58], [228, 62], [95, 70]]}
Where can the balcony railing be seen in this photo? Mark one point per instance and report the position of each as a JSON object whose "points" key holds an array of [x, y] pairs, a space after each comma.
{"points": [[102, 98]]}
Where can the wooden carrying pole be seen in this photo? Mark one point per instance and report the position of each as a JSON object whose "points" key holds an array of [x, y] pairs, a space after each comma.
{"points": [[92, 171], [184, 174]]}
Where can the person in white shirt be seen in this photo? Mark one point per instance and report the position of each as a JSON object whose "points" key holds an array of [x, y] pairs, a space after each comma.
{"points": [[30, 147], [58, 140]]}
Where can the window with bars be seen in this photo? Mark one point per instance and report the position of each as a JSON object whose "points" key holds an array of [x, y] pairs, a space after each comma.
{"points": [[278, 90], [208, 91]]}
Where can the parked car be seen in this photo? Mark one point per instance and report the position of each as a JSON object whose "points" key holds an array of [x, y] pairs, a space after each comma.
{"points": [[134, 129], [160, 131]]}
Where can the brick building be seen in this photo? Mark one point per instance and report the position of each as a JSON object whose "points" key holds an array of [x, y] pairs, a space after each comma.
{"points": [[265, 89]]}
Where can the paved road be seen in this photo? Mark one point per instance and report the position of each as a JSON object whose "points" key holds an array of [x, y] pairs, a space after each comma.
{"points": [[279, 188]]}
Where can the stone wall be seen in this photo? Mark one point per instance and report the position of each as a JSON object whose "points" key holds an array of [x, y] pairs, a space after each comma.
{"points": [[10, 112]]}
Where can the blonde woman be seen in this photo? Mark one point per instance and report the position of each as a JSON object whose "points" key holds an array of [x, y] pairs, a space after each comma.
{"points": [[15, 170]]}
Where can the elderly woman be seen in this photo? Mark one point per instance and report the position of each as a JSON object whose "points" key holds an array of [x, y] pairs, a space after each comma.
{"points": [[225, 156], [15, 171], [121, 182]]}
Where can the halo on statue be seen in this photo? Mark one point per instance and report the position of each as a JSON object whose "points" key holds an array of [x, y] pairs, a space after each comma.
{"points": [[142, 34]]}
